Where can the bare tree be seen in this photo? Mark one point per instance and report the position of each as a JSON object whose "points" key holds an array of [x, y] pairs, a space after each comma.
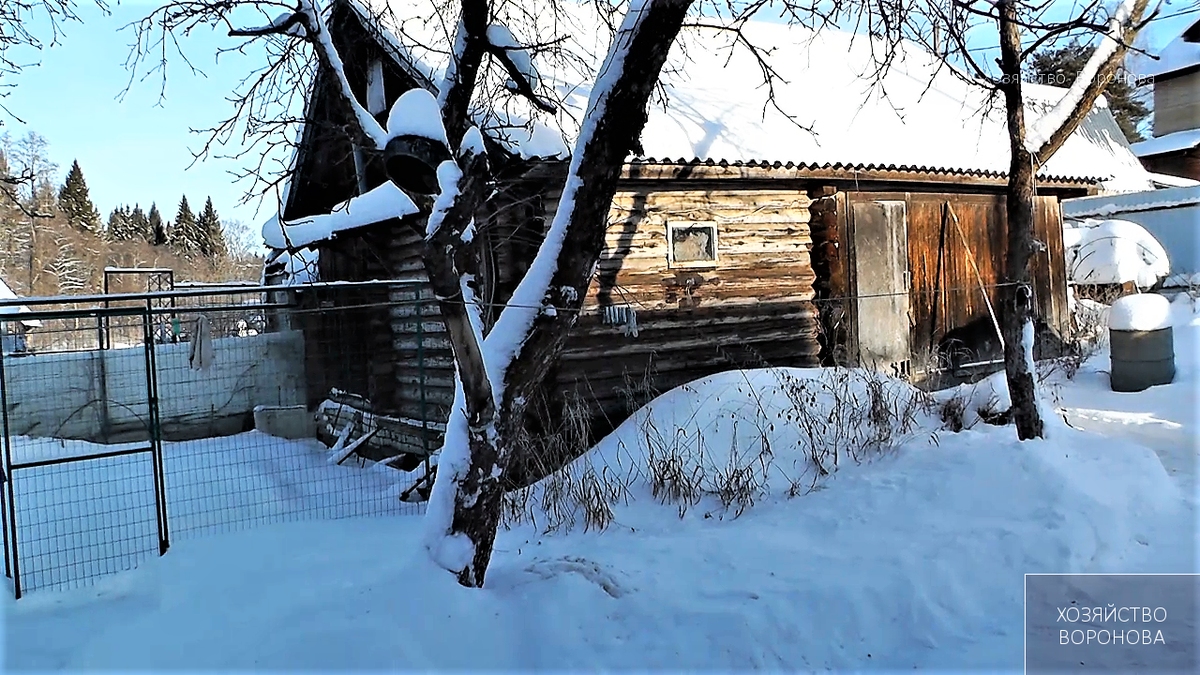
{"points": [[498, 373], [955, 31]]}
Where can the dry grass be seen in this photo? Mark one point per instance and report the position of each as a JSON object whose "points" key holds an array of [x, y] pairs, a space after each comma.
{"points": [[842, 416]]}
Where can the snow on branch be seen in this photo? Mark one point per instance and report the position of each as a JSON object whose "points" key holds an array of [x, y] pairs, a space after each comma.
{"points": [[597, 139], [307, 21], [516, 59], [1051, 129]]}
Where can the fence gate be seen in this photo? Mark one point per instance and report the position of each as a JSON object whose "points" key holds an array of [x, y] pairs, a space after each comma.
{"points": [[73, 510]]}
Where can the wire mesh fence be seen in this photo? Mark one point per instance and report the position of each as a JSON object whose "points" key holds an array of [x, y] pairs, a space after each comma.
{"points": [[133, 419], [79, 520]]}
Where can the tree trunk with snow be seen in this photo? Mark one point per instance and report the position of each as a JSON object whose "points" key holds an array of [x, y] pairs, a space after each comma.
{"points": [[1018, 296], [531, 332], [1030, 150], [499, 374]]}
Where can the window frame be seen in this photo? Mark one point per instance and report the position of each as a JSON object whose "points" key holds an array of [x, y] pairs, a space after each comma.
{"points": [[672, 227]]}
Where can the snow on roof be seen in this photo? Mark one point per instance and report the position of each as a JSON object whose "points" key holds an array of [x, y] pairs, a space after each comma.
{"points": [[384, 202], [1180, 140], [1179, 54], [827, 113], [716, 106], [7, 293], [1166, 180], [1110, 205]]}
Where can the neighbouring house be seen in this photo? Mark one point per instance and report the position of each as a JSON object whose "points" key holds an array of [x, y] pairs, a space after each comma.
{"points": [[858, 228], [1175, 75], [13, 329], [1171, 216]]}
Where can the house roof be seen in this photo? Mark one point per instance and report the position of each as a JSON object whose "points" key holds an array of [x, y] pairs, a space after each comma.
{"points": [[6, 293], [1149, 200], [1174, 142], [826, 110], [920, 115], [1180, 54]]}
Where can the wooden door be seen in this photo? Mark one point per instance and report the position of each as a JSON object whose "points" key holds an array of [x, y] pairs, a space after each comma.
{"points": [[880, 239]]}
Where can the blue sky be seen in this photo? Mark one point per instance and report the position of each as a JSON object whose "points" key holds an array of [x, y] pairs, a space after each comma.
{"points": [[132, 150], [135, 150]]}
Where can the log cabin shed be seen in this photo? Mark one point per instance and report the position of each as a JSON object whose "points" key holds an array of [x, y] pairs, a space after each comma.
{"points": [[861, 227]]}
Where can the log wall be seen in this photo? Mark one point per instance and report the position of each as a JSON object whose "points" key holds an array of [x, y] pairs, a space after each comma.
{"points": [[753, 307]]}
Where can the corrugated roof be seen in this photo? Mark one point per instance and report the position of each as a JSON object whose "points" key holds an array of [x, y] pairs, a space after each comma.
{"points": [[1110, 205], [1180, 140], [827, 111]]}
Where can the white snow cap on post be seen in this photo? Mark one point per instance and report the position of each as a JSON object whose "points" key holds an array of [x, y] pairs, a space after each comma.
{"points": [[416, 113], [1141, 312]]}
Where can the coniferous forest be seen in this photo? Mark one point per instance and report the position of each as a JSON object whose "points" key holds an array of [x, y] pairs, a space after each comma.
{"points": [[54, 240]]}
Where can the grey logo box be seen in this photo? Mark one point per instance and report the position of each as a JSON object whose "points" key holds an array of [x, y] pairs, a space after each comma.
{"points": [[1112, 623]]}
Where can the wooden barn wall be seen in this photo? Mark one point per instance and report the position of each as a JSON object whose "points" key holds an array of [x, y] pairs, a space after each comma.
{"points": [[382, 342], [1185, 163], [832, 276], [419, 342], [752, 308], [946, 292], [343, 327]]}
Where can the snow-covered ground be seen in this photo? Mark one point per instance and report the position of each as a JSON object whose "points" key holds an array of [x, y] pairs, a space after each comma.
{"points": [[911, 558], [78, 520]]}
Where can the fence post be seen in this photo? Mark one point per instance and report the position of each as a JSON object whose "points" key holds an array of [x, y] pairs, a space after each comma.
{"points": [[421, 378], [156, 460], [9, 497]]}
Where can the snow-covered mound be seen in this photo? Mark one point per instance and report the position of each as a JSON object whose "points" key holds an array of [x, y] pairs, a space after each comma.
{"points": [[755, 433], [1113, 252], [1140, 312]]}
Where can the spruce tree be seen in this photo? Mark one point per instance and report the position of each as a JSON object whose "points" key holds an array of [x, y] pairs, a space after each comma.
{"points": [[76, 204], [158, 229], [183, 236], [118, 224], [212, 240], [139, 225]]}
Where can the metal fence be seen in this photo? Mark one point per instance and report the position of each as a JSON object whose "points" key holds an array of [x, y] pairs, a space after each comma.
{"points": [[129, 420]]}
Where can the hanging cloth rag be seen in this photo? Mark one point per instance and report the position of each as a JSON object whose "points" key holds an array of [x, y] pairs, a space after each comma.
{"points": [[201, 355]]}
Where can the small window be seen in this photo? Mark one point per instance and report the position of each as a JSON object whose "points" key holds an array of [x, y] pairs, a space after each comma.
{"points": [[692, 244]]}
